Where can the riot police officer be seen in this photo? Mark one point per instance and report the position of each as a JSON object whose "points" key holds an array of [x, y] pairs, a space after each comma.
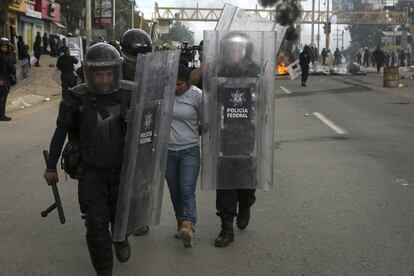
{"points": [[65, 64], [7, 75], [93, 116], [134, 42], [304, 60], [236, 51]]}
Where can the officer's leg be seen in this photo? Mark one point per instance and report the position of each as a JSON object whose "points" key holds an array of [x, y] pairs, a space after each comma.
{"points": [[2, 101], [72, 81], [93, 200], [246, 200], [305, 76], [122, 249], [64, 84], [226, 204]]}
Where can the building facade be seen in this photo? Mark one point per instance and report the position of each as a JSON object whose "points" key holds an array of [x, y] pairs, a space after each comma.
{"points": [[27, 17]]}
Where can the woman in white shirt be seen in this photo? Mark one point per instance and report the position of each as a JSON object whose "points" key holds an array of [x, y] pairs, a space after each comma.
{"points": [[183, 163]]}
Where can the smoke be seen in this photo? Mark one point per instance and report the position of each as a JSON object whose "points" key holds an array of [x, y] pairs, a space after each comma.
{"points": [[287, 13]]}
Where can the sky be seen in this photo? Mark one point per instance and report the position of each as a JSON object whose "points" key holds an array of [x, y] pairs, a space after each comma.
{"points": [[147, 6]]}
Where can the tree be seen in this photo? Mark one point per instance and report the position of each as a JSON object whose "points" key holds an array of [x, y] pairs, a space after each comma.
{"points": [[364, 35], [3, 11], [179, 32], [72, 13]]}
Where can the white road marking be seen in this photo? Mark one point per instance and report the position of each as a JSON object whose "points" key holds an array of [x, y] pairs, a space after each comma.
{"points": [[329, 123], [284, 89], [403, 182]]}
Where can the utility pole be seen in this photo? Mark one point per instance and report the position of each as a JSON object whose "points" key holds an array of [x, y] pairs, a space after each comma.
{"points": [[132, 13], [339, 37], [328, 32], [313, 22], [113, 19], [88, 23], [319, 18]]}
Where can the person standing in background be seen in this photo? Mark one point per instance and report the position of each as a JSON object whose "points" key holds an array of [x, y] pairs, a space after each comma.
{"points": [[65, 63], [37, 49], [304, 60]]}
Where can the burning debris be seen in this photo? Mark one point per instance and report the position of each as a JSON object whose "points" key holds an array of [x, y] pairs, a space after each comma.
{"points": [[281, 67]]}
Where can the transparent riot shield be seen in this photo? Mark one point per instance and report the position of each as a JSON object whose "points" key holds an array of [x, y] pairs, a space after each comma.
{"points": [[238, 110], [235, 19], [145, 154], [76, 49]]}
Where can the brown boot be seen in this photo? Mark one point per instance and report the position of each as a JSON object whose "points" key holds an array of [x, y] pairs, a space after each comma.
{"points": [[186, 234], [179, 226]]}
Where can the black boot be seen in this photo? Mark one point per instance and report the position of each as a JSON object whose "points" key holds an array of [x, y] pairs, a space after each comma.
{"points": [[226, 235], [142, 231], [243, 218], [5, 118], [104, 273], [122, 251]]}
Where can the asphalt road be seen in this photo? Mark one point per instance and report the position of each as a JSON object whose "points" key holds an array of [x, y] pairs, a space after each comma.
{"points": [[342, 202]]}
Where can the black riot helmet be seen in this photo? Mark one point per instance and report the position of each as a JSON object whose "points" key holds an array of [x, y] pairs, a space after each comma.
{"points": [[4, 41], [134, 42], [102, 68], [236, 47]]}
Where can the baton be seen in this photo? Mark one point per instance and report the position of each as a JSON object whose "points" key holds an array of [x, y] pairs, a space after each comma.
{"points": [[57, 204]]}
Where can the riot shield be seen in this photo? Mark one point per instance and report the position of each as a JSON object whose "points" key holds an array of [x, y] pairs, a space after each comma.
{"points": [[145, 154], [235, 19], [238, 110], [76, 49]]}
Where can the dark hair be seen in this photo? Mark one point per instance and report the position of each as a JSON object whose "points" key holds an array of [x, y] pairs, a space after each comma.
{"points": [[183, 73]]}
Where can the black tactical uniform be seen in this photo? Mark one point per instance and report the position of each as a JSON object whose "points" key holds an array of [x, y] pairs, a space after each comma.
{"points": [[94, 117], [238, 138], [134, 42], [7, 75], [304, 60], [65, 64], [37, 49]]}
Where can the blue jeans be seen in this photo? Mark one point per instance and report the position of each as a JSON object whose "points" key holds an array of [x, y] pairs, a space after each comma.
{"points": [[183, 167]]}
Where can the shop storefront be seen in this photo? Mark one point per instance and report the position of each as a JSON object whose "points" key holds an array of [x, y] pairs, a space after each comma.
{"points": [[50, 11], [12, 26]]}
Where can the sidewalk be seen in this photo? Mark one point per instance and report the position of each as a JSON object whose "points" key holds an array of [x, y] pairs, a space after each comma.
{"points": [[38, 88]]}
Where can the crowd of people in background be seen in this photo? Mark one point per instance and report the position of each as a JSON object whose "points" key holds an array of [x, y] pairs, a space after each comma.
{"points": [[51, 44], [379, 58]]}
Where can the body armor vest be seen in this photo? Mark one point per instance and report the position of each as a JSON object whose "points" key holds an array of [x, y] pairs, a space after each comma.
{"points": [[102, 127]]}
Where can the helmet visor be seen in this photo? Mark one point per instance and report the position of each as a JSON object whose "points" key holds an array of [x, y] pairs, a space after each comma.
{"points": [[103, 79]]}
